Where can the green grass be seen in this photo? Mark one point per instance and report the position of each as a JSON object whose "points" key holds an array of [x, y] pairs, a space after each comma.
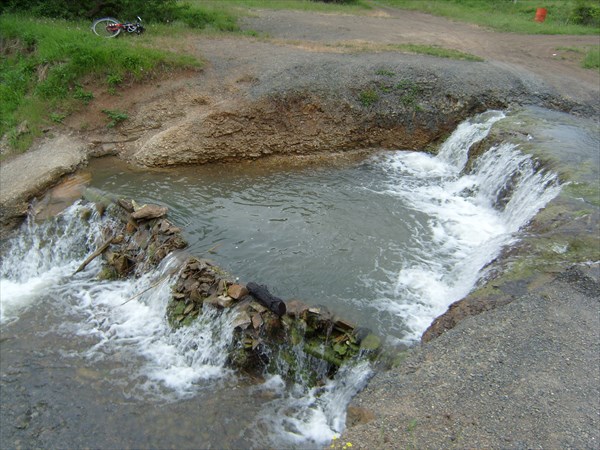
{"points": [[439, 52], [503, 15], [200, 15], [368, 97], [115, 116], [44, 63], [592, 58]]}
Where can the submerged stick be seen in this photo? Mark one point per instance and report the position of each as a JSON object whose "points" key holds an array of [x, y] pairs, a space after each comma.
{"points": [[94, 255], [152, 286]]}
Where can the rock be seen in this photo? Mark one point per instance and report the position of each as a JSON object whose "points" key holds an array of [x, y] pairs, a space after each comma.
{"points": [[361, 333], [23, 128], [257, 321], [130, 227], [237, 291], [121, 265], [212, 301], [343, 325], [258, 307], [127, 205], [222, 287], [295, 308], [356, 415], [370, 343], [322, 312], [225, 301], [101, 208], [148, 212], [242, 321]]}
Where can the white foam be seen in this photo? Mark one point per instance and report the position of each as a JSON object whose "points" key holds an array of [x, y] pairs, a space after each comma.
{"points": [[39, 265], [176, 360], [41, 258], [471, 218], [312, 417]]}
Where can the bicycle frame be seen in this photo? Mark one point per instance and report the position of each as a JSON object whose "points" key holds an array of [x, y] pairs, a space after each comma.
{"points": [[111, 27]]}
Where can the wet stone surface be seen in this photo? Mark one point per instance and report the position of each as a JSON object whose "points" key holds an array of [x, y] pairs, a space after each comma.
{"points": [[267, 330]]}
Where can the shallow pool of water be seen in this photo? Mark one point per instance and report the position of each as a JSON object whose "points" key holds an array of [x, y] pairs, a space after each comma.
{"points": [[387, 242]]}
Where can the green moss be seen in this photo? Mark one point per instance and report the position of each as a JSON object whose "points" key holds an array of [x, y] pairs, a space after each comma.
{"points": [[108, 273], [368, 97], [371, 343], [385, 73], [590, 192]]}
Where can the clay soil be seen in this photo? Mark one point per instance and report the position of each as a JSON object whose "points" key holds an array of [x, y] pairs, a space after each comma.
{"points": [[297, 50]]}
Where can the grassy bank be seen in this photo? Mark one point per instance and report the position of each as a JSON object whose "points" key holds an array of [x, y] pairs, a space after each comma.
{"points": [[505, 15], [45, 64]]}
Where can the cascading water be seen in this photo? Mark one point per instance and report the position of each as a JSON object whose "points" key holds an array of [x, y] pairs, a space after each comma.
{"points": [[471, 218], [452, 224]]}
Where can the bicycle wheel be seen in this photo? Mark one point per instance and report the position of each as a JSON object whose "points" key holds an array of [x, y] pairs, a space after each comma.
{"points": [[106, 27]]}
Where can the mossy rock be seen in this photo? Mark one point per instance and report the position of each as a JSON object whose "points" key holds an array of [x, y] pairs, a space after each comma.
{"points": [[371, 343], [107, 273]]}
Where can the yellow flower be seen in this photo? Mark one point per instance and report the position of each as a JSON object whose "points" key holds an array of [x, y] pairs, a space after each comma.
{"points": [[349, 444]]}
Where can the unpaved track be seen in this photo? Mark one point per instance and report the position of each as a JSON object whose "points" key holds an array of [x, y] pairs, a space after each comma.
{"points": [[542, 55]]}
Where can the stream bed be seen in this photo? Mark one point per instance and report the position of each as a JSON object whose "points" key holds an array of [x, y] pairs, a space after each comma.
{"points": [[387, 242]]}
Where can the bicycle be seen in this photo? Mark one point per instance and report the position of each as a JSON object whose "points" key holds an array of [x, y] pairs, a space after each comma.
{"points": [[109, 27]]}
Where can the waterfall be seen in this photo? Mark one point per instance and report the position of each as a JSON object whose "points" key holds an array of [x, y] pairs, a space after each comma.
{"points": [[454, 151], [472, 216], [465, 219]]}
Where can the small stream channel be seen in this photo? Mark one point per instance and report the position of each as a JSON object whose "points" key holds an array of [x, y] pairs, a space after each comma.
{"points": [[387, 242]]}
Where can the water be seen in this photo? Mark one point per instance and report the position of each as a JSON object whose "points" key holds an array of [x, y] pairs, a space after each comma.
{"points": [[388, 242]]}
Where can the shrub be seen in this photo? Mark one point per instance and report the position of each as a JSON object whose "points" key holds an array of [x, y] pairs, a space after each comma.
{"points": [[202, 18], [586, 13], [153, 10], [115, 116], [368, 97]]}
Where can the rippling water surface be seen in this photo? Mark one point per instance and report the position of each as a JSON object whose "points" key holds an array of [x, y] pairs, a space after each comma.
{"points": [[387, 242]]}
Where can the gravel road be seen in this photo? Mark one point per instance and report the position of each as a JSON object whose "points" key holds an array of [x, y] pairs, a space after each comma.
{"points": [[522, 376]]}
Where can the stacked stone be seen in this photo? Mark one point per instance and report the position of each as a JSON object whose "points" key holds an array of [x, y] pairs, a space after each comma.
{"points": [[266, 329]]}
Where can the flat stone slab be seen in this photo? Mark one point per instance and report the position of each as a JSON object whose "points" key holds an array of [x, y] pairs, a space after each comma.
{"points": [[24, 176]]}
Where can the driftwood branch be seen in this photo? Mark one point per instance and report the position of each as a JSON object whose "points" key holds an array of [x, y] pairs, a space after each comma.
{"points": [[153, 285], [94, 255], [262, 294]]}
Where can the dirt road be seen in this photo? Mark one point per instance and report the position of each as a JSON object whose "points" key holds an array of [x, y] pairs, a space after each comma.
{"points": [[546, 56]]}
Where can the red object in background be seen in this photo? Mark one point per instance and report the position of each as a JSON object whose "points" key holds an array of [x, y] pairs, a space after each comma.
{"points": [[540, 14]]}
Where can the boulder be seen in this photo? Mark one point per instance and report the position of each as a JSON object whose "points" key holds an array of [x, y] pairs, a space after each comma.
{"points": [[148, 212], [237, 291]]}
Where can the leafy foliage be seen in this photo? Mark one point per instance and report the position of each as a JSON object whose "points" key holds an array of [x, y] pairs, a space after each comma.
{"points": [[154, 10], [346, 2], [115, 116], [165, 11], [586, 12]]}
